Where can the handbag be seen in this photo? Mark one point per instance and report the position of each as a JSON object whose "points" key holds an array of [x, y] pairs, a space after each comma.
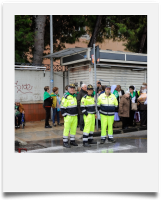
{"points": [[134, 106]]}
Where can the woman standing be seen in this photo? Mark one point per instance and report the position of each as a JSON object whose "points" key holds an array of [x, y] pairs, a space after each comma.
{"points": [[125, 109], [47, 105], [142, 105], [56, 105], [118, 92], [133, 96]]}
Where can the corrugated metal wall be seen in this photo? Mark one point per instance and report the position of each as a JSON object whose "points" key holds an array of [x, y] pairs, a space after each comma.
{"points": [[79, 74], [121, 76]]}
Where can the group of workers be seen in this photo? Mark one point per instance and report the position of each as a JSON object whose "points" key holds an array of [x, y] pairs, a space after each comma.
{"points": [[106, 104]]}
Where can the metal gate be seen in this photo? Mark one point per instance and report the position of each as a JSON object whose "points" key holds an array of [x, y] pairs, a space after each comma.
{"points": [[121, 76], [78, 74]]}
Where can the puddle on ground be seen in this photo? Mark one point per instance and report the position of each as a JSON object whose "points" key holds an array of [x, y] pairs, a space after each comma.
{"points": [[122, 145]]}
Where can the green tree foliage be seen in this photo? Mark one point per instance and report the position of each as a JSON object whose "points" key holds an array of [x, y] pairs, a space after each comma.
{"points": [[24, 37], [69, 28], [132, 29], [66, 29]]}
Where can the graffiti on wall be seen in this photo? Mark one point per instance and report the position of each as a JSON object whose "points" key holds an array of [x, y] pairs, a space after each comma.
{"points": [[24, 88]]}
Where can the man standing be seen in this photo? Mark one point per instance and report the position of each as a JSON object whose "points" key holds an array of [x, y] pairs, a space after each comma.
{"points": [[81, 94], [107, 105], [69, 111], [98, 85], [88, 110]]}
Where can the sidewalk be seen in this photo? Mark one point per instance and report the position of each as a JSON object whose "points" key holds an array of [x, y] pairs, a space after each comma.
{"points": [[35, 131]]}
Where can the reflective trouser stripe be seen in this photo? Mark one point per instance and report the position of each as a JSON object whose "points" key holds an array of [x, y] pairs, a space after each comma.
{"points": [[110, 136], [65, 138], [85, 133], [70, 124], [89, 123], [103, 137], [72, 137], [90, 135], [85, 136], [107, 121]]}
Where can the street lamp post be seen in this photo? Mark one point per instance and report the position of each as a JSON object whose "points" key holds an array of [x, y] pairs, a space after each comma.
{"points": [[95, 84]]}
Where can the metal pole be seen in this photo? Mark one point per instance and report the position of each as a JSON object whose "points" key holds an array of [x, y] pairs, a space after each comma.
{"points": [[63, 82], [51, 59], [95, 84]]}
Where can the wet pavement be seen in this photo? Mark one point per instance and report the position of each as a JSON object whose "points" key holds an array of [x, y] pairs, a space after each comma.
{"points": [[134, 142], [37, 139]]}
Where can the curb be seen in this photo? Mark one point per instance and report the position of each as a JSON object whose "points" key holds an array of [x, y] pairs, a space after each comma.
{"points": [[95, 134], [98, 133], [20, 142]]}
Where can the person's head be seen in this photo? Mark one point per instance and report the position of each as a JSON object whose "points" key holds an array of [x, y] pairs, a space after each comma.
{"points": [[131, 89], [108, 89], [17, 102], [89, 90], [55, 90], [46, 89], [103, 87], [98, 84], [84, 87], [79, 88], [71, 88], [127, 94], [66, 88], [144, 87], [100, 90], [118, 88]]}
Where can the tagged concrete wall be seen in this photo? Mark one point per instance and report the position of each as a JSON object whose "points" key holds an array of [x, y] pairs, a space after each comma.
{"points": [[29, 85]]}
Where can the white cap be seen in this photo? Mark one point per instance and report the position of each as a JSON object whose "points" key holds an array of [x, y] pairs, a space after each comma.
{"points": [[17, 100]]}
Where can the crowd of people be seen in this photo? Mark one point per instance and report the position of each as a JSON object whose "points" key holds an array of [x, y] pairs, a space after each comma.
{"points": [[113, 105], [132, 105], [78, 109]]}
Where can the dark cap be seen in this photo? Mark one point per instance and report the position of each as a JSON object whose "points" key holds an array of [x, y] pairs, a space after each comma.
{"points": [[89, 87], [72, 85], [107, 86]]}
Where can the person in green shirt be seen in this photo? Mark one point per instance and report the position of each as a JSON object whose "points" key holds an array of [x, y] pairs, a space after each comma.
{"points": [[47, 105], [134, 97]]}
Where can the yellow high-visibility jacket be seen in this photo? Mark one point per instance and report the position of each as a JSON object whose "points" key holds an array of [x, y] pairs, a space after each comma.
{"points": [[107, 105], [87, 105], [69, 105]]}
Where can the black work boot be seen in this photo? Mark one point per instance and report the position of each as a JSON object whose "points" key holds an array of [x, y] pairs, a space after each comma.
{"points": [[73, 143], [91, 141], [86, 144], [111, 140], [65, 144], [102, 141]]}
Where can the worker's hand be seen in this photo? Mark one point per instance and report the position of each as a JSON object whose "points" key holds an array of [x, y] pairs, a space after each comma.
{"points": [[95, 116], [86, 114], [23, 112]]}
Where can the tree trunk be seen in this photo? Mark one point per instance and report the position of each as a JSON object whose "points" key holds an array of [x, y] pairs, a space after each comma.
{"points": [[95, 31], [143, 39], [39, 38]]}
